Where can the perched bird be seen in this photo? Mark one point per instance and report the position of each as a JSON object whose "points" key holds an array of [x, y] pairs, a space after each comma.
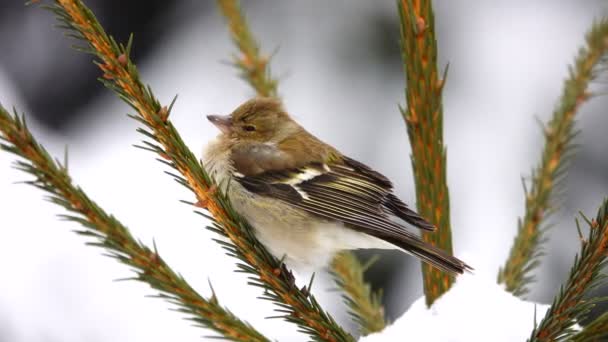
{"points": [[305, 199]]}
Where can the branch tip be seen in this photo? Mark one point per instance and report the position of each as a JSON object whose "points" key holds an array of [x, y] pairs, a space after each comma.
{"points": [[122, 60]]}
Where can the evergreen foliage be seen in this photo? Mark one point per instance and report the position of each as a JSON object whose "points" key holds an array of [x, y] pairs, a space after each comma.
{"points": [[570, 305], [365, 306], [253, 66], [423, 116], [551, 170]]}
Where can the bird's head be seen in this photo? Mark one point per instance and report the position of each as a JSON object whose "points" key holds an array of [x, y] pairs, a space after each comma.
{"points": [[260, 119]]}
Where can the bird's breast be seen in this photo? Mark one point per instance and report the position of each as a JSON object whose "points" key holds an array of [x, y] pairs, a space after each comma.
{"points": [[216, 161]]}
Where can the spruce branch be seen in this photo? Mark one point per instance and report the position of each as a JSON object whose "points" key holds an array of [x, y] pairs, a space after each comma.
{"points": [[569, 306], [424, 119], [366, 306], [551, 170], [595, 331], [108, 233], [121, 76], [253, 66]]}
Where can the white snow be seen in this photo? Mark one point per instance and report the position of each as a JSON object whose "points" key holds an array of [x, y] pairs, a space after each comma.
{"points": [[476, 308]]}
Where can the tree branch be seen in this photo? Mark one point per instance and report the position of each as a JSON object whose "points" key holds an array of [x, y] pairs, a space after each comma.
{"points": [[365, 306], [424, 119], [254, 67], [108, 233], [569, 306], [121, 76], [553, 165]]}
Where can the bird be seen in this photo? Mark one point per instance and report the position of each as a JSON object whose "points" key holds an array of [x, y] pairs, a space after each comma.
{"points": [[305, 200]]}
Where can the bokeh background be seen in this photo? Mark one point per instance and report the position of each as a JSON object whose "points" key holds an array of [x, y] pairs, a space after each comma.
{"points": [[341, 77]]}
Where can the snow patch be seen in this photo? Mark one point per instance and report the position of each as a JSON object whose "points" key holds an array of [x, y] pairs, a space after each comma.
{"points": [[475, 309]]}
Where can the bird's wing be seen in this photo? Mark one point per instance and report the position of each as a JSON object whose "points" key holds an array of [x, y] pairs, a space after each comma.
{"points": [[352, 193], [347, 191]]}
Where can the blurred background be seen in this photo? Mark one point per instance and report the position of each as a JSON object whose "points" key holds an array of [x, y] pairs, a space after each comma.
{"points": [[341, 77]]}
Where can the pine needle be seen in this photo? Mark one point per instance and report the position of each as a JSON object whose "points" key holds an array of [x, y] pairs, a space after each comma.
{"points": [[547, 176], [105, 231], [595, 331]]}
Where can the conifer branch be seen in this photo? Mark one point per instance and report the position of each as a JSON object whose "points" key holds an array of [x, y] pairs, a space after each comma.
{"points": [[424, 119], [253, 66], [366, 306], [569, 306], [551, 170], [595, 331], [121, 76], [108, 233]]}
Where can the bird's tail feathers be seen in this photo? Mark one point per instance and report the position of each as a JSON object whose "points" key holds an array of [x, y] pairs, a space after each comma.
{"points": [[402, 211], [432, 255]]}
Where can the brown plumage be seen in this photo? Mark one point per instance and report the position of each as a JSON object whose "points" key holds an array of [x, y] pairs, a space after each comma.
{"points": [[270, 155]]}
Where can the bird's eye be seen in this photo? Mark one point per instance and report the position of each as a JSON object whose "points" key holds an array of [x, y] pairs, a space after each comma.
{"points": [[249, 128]]}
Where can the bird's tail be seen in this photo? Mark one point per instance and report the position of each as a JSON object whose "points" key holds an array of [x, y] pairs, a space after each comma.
{"points": [[430, 254], [402, 211]]}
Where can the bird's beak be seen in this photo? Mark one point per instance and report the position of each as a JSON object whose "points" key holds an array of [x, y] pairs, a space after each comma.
{"points": [[223, 122]]}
